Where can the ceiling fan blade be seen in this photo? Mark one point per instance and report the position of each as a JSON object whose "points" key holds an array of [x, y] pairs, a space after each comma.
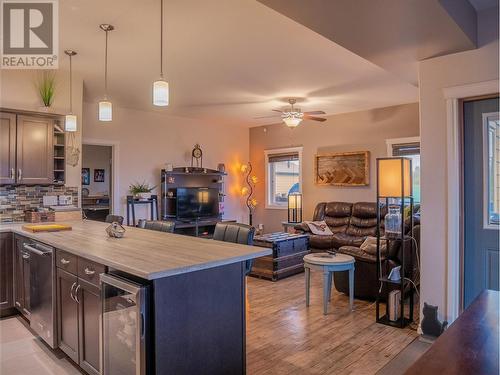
{"points": [[314, 113], [277, 110], [314, 118], [273, 116]]}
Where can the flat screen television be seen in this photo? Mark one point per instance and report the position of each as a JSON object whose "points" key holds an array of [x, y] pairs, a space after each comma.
{"points": [[195, 203]]}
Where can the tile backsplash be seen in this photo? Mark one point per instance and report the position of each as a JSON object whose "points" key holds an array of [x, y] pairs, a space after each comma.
{"points": [[14, 200]]}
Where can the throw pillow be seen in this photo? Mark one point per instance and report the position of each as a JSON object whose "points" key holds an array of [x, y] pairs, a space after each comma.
{"points": [[370, 245], [319, 227]]}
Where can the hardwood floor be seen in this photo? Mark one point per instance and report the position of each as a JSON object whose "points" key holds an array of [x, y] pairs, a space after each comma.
{"points": [[283, 336]]}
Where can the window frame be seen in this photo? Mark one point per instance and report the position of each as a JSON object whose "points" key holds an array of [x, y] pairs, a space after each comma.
{"points": [[267, 154], [486, 173]]}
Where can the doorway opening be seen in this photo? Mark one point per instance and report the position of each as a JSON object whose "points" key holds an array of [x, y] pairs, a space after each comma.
{"points": [[97, 188]]}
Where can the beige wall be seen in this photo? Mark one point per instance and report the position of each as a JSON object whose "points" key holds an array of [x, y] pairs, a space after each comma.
{"points": [[18, 91], [147, 140], [435, 74], [97, 157], [365, 130]]}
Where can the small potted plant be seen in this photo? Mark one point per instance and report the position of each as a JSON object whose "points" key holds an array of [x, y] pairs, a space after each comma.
{"points": [[141, 191]]}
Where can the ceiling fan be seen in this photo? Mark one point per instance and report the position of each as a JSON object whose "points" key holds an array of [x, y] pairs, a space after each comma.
{"points": [[293, 116]]}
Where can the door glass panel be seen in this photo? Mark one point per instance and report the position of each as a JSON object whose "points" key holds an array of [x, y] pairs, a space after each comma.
{"points": [[492, 170], [120, 330]]}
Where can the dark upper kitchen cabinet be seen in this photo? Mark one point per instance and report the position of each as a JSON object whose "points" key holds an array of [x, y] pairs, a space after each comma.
{"points": [[21, 278], [6, 274], [67, 314], [35, 150], [7, 148], [31, 149]]}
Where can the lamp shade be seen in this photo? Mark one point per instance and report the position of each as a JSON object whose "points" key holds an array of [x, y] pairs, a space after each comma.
{"points": [[70, 123], [294, 208], [394, 177], [105, 111], [160, 93]]}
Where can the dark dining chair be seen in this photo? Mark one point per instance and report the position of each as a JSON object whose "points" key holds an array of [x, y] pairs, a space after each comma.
{"points": [[114, 219], [236, 233], [158, 225]]}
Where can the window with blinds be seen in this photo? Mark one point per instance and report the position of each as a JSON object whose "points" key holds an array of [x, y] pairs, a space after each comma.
{"points": [[283, 176], [406, 149]]}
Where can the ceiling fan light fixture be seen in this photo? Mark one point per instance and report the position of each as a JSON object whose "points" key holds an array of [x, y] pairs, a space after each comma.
{"points": [[292, 119]]}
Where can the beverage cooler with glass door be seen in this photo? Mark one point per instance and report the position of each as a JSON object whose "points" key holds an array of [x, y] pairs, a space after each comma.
{"points": [[125, 332]]}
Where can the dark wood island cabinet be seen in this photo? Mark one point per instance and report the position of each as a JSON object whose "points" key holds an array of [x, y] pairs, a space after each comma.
{"points": [[6, 274]]}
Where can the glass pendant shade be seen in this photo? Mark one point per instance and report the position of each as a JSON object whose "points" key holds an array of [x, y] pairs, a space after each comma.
{"points": [[105, 111], [160, 93], [70, 123]]}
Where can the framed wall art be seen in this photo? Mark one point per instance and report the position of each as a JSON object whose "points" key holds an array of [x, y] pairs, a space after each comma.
{"points": [[98, 175], [85, 176], [343, 169]]}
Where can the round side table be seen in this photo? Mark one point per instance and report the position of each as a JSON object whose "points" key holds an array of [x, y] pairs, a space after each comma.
{"points": [[329, 263]]}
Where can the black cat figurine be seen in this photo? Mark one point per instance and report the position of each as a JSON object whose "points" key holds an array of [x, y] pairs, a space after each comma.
{"points": [[431, 326]]}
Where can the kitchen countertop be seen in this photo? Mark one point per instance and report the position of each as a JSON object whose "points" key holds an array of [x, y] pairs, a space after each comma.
{"points": [[144, 253]]}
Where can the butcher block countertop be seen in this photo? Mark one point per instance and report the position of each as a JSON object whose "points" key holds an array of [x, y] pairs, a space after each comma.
{"points": [[144, 253]]}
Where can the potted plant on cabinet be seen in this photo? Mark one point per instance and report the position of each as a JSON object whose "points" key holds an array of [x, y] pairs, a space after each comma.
{"points": [[46, 85], [141, 191]]}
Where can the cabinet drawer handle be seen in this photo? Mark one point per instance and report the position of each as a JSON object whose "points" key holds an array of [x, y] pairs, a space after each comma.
{"points": [[71, 292], [65, 261], [89, 271], [76, 293], [12, 173], [19, 174]]}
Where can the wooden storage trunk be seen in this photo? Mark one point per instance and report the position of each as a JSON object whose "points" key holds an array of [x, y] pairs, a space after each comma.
{"points": [[39, 217], [287, 258]]}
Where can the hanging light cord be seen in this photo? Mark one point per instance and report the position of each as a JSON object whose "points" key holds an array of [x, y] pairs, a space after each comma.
{"points": [[70, 86], [106, 66], [161, 39]]}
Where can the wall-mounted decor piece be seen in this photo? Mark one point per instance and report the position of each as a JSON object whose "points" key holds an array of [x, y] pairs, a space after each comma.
{"points": [[85, 176], [343, 169], [98, 175]]}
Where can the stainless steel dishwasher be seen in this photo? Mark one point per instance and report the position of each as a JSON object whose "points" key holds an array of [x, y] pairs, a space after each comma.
{"points": [[42, 291]]}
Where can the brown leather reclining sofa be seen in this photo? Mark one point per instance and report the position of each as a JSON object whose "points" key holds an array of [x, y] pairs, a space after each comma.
{"points": [[351, 223]]}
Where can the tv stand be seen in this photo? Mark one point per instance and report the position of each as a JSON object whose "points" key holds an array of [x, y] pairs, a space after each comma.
{"points": [[191, 177]]}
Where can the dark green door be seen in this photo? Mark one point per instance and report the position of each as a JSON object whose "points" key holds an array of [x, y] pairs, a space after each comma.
{"points": [[481, 197]]}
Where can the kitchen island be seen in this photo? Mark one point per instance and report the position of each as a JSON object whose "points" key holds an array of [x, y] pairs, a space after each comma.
{"points": [[193, 314]]}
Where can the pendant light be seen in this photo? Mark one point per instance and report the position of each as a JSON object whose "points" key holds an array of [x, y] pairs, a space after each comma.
{"points": [[70, 122], [105, 106], [160, 87]]}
